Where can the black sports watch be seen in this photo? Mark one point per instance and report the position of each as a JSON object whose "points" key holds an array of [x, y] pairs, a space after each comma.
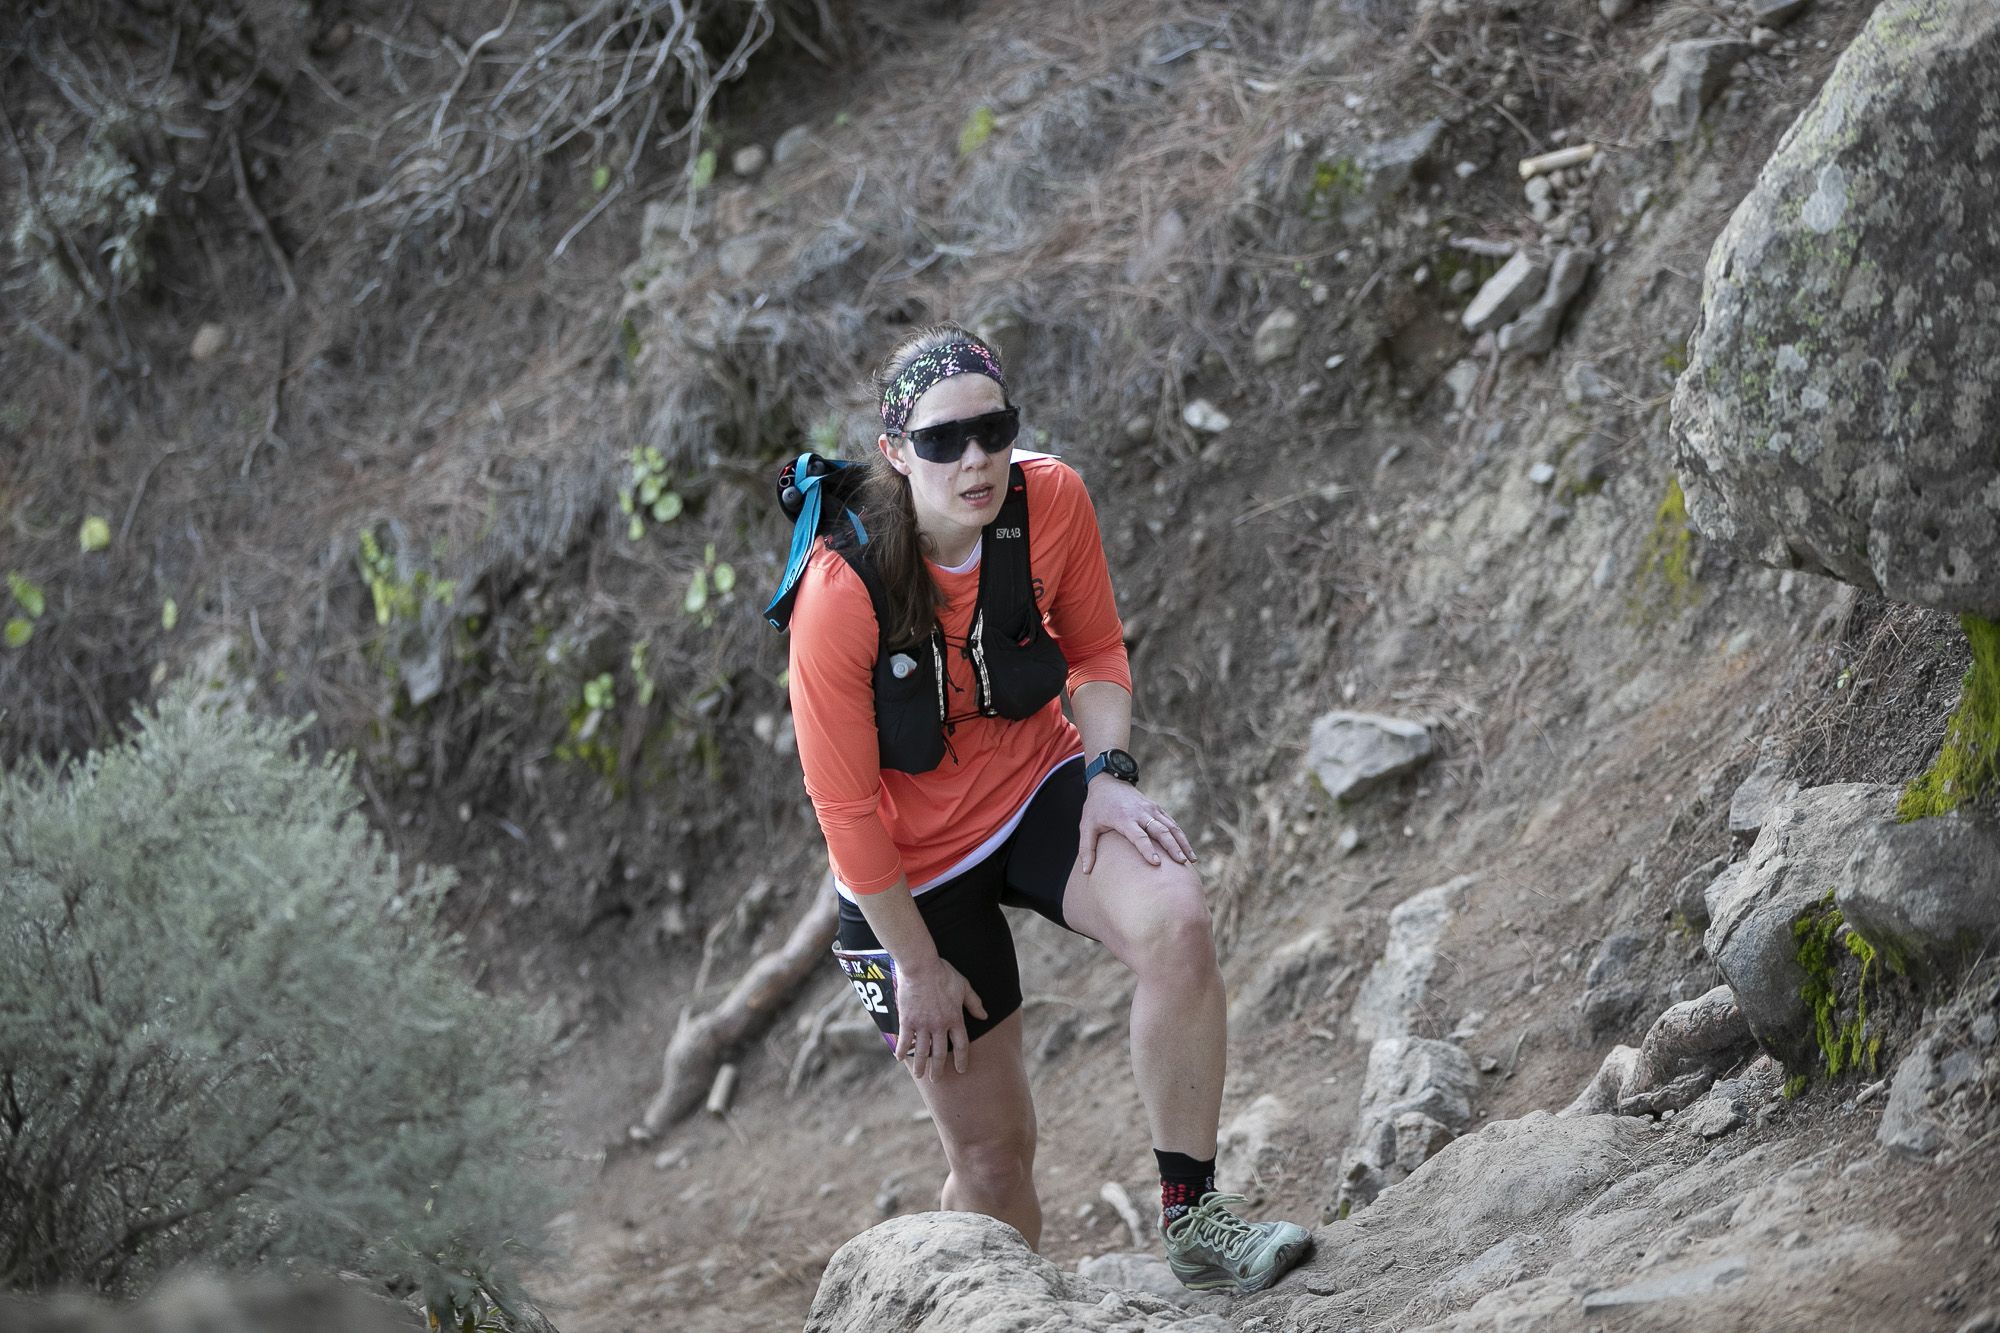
{"points": [[1115, 762]]}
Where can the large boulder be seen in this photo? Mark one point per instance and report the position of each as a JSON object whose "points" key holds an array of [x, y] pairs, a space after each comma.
{"points": [[1928, 891], [1842, 395], [1798, 859], [967, 1273]]}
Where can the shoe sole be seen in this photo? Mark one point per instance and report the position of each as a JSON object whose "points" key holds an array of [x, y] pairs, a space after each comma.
{"points": [[1287, 1259]]}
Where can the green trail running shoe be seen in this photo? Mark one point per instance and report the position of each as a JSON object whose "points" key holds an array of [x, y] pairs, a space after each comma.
{"points": [[1209, 1247]]}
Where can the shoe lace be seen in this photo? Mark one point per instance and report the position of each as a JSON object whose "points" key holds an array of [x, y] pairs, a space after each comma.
{"points": [[1211, 1223]]}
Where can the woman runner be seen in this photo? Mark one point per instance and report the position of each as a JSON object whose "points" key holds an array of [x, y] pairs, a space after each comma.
{"points": [[948, 781]]}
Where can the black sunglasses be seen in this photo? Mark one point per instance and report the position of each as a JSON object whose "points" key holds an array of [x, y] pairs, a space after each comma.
{"points": [[945, 442]]}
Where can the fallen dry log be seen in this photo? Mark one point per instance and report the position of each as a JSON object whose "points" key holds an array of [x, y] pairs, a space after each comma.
{"points": [[700, 1043]]}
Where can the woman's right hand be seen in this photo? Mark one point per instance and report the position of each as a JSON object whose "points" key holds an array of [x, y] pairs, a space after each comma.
{"points": [[932, 999]]}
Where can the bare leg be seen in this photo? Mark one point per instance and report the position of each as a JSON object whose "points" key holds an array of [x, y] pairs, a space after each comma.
{"points": [[1153, 919], [986, 1119]]}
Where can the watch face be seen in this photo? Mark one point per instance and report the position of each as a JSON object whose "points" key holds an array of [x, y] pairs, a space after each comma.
{"points": [[1121, 765]]}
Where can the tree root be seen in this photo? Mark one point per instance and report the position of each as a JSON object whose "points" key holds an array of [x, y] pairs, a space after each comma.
{"points": [[699, 1044]]}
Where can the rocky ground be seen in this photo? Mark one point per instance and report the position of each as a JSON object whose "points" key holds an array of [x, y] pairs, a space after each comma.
{"points": [[1479, 742]]}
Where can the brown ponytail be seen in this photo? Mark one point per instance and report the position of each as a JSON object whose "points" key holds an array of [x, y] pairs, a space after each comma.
{"points": [[895, 544]]}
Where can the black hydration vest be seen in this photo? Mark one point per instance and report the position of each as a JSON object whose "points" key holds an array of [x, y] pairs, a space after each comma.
{"points": [[1017, 666]]}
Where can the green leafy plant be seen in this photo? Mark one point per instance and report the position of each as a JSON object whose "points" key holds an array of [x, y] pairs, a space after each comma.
{"points": [[704, 171], [1333, 183], [586, 721], [28, 597], [648, 492], [97, 207], [715, 580], [197, 924], [94, 535], [640, 674], [397, 597], [978, 128]]}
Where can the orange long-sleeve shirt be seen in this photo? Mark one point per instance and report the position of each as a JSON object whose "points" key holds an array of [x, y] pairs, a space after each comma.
{"points": [[881, 824]]}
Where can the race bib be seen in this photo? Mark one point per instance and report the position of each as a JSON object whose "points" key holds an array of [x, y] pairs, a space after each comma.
{"points": [[872, 973]]}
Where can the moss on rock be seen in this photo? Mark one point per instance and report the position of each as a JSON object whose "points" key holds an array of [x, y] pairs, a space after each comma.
{"points": [[1968, 763], [1840, 1019]]}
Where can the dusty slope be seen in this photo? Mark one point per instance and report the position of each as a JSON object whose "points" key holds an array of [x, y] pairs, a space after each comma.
{"points": [[1143, 204], [1596, 725]]}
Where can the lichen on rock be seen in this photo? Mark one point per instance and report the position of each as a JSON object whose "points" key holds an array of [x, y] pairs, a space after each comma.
{"points": [[1843, 393]]}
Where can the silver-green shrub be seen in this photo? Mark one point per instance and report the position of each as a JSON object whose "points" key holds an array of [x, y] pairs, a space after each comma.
{"points": [[231, 1031]]}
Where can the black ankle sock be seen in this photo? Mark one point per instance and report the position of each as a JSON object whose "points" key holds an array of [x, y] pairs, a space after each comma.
{"points": [[1183, 1181]]}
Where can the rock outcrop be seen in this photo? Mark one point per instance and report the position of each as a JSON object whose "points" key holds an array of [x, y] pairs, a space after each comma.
{"points": [[1927, 891], [1842, 395], [1415, 1098], [1798, 859], [966, 1273], [1394, 988]]}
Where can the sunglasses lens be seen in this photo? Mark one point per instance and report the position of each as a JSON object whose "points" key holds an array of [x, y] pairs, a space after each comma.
{"points": [[945, 442]]}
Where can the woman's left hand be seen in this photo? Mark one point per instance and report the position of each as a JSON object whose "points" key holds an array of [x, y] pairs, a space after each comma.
{"points": [[1112, 806]]}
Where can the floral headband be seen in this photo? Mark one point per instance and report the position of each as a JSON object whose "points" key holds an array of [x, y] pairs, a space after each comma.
{"points": [[965, 357]]}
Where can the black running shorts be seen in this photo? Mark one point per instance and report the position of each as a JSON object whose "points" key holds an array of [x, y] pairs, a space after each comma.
{"points": [[1030, 869]]}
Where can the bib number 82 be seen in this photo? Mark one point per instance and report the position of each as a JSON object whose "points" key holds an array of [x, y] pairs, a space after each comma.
{"points": [[872, 998]]}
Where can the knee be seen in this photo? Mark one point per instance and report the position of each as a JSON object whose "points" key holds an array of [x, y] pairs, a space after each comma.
{"points": [[1177, 937], [996, 1168]]}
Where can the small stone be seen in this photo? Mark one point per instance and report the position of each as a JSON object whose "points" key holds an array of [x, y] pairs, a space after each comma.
{"points": [[1535, 332], [1138, 428], [791, 143], [1277, 338], [1764, 39], [1695, 73], [1348, 841], [209, 340], [1583, 383], [1713, 1117], [1614, 9], [1488, 1065], [1506, 293], [1794, 1240], [1462, 379], [1205, 416], [748, 161], [1540, 194], [1541, 474]]}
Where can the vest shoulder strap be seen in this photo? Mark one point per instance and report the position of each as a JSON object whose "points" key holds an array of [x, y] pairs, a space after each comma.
{"points": [[1006, 582]]}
